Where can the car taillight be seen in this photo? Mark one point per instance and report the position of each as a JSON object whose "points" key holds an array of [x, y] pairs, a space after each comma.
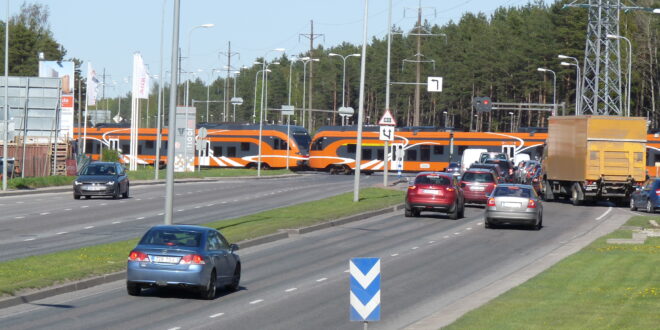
{"points": [[412, 187], [192, 259], [657, 192], [450, 189], [138, 256], [491, 201], [531, 204]]}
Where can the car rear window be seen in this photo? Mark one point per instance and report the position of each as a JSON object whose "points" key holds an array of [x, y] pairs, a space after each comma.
{"points": [[503, 164], [433, 179], [168, 237], [478, 177], [512, 191]]}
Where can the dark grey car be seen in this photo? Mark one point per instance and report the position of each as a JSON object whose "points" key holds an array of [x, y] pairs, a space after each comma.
{"points": [[101, 179]]}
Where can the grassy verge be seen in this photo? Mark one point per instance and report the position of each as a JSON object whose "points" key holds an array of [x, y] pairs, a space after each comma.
{"points": [[602, 286], [45, 270], [146, 173]]}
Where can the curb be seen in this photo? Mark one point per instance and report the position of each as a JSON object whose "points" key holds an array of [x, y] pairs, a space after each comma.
{"points": [[112, 277], [56, 189]]}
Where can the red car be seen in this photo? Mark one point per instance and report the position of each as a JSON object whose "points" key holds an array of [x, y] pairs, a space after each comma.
{"points": [[477, 185], [436, 192]]}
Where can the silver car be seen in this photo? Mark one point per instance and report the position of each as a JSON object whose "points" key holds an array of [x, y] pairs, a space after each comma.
{"points": [[514, 204]]}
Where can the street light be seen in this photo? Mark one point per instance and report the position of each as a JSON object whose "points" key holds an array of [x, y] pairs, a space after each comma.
{"points": [[205, 26], [343, 84], [445, 112], [208, 90], [261, 113], [265, 85], [511, 113], [612, 36], [236, 73], [254, 108], [578, 82], [554, 89], [305, 60]]}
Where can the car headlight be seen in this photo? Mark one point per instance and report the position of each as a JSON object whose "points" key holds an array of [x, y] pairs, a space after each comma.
{"points": [[77, 183], [110, 183]]}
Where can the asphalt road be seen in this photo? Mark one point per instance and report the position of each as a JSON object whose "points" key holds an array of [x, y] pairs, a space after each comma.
{"points": [[42, 223], [302, 282]]}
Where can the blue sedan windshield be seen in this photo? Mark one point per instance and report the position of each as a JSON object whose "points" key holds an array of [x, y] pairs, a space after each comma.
{"points": [[167, 237]]}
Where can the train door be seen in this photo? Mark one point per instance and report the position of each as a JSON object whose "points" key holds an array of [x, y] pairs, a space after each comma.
{"points": [[509, 150], [397, 155], [205, 146], [113, 144]]}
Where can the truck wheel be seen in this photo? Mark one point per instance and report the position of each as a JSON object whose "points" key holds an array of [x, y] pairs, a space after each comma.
{"points": [[632, 205], [547, 191], [575, 196], [649, 207]]}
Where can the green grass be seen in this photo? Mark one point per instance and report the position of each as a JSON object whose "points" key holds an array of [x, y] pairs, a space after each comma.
{"points": [[145, 173], [604, 286], [49, 269]]}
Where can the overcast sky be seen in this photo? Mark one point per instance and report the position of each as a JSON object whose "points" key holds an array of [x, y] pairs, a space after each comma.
{"points": [[107, 33]]}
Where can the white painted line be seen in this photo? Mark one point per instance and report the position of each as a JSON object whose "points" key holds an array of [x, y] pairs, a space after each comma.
{"points": [[210, 204], [84, 206], [44, 213], [224, 203], [28, 239], [116, 222], [181, 210], [290, 289], [178, 194], [140, 218], [20, 202], [175, 328], [414, 248], [347, 271], [235, 200], [468, 228], [216, 315], [321, 279], [198, 206], [431, 242], [61, 233], [479, 223], [190, 192], [139, 199], [19, 217], [67, 209], [604, 214], [256, 301], [446, 237], [160, 213], [394, 255], [89, 227], [457, 233]]}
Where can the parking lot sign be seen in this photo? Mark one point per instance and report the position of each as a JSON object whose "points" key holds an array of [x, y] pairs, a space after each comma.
{"points": [[365, 289]]}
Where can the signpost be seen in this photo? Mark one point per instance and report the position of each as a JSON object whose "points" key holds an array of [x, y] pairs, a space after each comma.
{"points": [[345, 112], [387, 125], [365, 290], [288, 111], [434, 84]]}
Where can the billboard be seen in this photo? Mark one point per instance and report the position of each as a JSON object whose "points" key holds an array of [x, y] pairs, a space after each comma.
{"points": [[184, 139], [65, 71]]}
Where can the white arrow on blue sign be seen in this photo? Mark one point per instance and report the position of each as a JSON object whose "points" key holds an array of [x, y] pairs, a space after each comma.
{"points": [[365, 289]]}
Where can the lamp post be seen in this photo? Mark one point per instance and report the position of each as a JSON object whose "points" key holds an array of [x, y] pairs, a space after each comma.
{"points": [[511, 113], [236, 73], [294, 59], [254, 108], [577, 88], [205, 26], [343, 83], [612, 36], [6, 107], [160, 95], [305, 60], [265, 86], [554, 89], [446, 115], [264, 67]]}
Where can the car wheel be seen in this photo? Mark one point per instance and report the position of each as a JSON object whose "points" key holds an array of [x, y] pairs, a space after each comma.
{"points": [[649, 207], [632, 204], [208, 291], [76, 196], [133, 289], [538, 224], [116, 193], [461, 213], [235, 280], [125, 195], [408, 213], [416, 213], [488, 225], [454, 214], [88, 197]]}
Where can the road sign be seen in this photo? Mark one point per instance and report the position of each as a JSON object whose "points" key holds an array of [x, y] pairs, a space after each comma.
{"points": [[236, 100], [482, 104], [117, 118], [387, 119], [202, 132], [434, 84], [386, 133], [347, 111], [365, 289], [288, 110]]}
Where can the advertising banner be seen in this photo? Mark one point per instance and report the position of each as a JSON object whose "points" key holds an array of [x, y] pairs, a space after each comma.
{"points": [[184, 139], [65, 71]]}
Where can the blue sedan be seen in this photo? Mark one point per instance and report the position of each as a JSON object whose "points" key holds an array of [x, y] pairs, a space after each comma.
{"points": [[194, 257], [647, 197]]}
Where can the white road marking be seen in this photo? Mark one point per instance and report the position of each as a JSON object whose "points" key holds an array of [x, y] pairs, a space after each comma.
{"points": [[216, 315], [446, 237], [160, 214], [457, 233], [235, 200], [20, 202], [290, 289], [104, 204], [414, 248], [604, 214], [67, 209], [89, 227], [256, 301], [468, 228], [178, 194], [19, 217], [431, 242], [140, 218], [321, 279], [84, 206], [61, 233], [116, 222], [139, 199], [394, 255], [224, 203], [347, 271], [479, 223], [181, 210], [44, 213], [209, 205], [190, 192], [175, 328], [28, 239], [198, 206]]}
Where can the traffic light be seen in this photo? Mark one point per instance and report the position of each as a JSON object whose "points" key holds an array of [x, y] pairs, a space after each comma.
{"points": [[482, 104]]}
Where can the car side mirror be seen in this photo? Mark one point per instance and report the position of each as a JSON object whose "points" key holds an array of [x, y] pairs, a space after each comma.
{"points": [[233, 247]]}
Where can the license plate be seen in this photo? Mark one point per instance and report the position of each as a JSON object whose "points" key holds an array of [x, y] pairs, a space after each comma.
{"points": [[95, 188], [165, 260], [430, 191], [510, 204], [477, 188]]}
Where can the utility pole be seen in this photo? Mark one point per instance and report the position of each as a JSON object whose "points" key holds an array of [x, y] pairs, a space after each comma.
{"points": [[418, 57], [311, 36], [229, 54]]}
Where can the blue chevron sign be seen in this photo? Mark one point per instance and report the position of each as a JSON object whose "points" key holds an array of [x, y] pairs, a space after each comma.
{"points": [[365, 289]]}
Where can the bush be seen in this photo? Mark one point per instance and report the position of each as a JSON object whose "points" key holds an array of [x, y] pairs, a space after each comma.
{"points": [[110, 155]]}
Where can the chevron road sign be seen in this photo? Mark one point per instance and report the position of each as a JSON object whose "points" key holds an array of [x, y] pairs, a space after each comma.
{"points": [[365, 289]]}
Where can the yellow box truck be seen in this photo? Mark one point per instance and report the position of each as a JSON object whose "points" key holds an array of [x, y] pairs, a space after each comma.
{"points": [[591, 158]]}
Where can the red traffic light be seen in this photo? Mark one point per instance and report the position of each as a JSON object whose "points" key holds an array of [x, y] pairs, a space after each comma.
{"points": [[486, 101]]}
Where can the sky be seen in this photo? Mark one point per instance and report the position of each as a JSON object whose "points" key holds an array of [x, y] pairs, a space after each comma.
{"points": [[107, 33]]}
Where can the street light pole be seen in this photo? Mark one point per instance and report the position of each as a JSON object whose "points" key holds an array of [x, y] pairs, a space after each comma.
{"points": [[511, 113], [578, 83], [5, 150], [205, 26], [169, 188], [386, 154], [577, 88], [265, 85], [264, 67], [612, 36], [363, 64], [254, 108], [445, 112], [305, 60], [161, 79], [554, 89], [343, 83]]}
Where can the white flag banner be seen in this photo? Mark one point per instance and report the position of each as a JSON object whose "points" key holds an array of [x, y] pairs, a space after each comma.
{"points": [[140, 78], [92, 85]]}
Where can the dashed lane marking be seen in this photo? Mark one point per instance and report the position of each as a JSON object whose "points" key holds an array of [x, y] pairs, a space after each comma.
{"points": [[84, 206], [445, 237], [321, 279], [479, 223], [457, 233], [414, 248], [44, 213], [159, 214], [89, 227], [19, 218], [61, 233], [28, 239], [290, 289], [116, 222], [431, 242], [469, 228], [216, 315], [394, 255], [104, 204], [140, 218], [181, 210], [198, 206], [256, 301], [67, 209], [175, 328]]}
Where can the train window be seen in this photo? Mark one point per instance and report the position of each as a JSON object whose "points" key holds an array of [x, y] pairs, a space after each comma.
{"points": [[351, 148], [411, 154], [461, 149], [279, 144], [318, 144], [366, 154], [245, 146], [89, 145], [425, 153], [217, 151], [126, 148], [381, 154], [438, 150], [231, 151], [150, 144]]}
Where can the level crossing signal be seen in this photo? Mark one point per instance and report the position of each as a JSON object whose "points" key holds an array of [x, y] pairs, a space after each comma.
{"points": [[482, 104]]}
